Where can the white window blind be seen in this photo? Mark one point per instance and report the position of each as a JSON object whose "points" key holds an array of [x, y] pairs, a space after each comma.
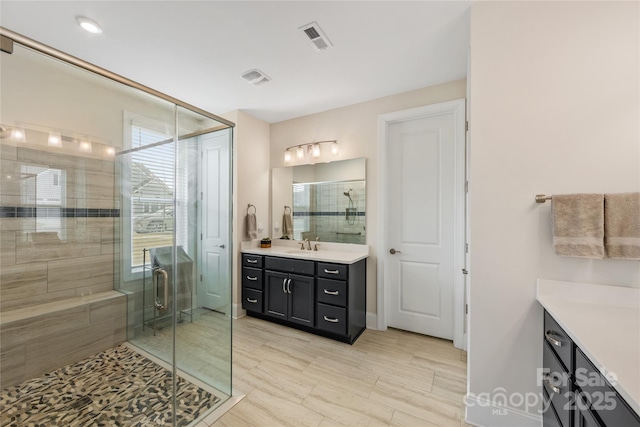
{"points": [[152, 191]]}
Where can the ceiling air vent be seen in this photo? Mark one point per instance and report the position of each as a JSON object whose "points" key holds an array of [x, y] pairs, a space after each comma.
{"points": [[255, 77], [313, 33]]}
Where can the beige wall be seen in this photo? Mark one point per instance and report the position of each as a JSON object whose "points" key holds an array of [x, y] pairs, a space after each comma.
{"points": [[356, 129], [554, 109], [251, 175]]}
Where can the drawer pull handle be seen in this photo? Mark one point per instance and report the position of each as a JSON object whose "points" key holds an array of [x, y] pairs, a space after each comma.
{"points": [[329, 319], [252, 301], [252, 261], [331, 271], [553, 388], [330, 292], [252, 278], [552, 340]]}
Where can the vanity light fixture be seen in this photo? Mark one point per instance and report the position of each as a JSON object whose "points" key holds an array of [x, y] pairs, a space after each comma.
{"points": [[85, 146], [88, 25], [55, 140], [18, 134], [313, 148]]}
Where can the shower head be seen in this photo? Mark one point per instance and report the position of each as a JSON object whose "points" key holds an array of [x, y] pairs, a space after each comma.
{"points": [[348, 194]]}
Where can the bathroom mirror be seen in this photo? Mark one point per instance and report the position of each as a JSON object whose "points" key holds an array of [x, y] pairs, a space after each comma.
{"points": [[325, 201]]}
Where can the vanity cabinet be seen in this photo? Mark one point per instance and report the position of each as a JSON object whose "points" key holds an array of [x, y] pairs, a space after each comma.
{"points": [[252, 283], [289, 297], [575, 393], [324, 298]]}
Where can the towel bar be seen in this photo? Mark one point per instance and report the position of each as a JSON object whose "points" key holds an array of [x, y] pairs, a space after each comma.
{"points": [[541, 198], [251, 206]]}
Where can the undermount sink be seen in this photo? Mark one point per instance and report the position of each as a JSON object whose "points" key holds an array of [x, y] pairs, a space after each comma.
{"points": [[301, 252]]}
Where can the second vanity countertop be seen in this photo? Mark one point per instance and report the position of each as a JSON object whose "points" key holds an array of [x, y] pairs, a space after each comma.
{"points": [[328, 252], [604, 321]]}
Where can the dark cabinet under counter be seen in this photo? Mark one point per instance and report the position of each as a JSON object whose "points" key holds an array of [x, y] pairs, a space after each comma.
{"points": [[575, 393], [323, 298]]}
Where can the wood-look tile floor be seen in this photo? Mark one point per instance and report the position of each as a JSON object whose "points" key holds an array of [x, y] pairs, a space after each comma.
{"points": [[390, 378]]}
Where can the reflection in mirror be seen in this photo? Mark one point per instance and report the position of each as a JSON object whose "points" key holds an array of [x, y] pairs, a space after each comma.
{"points": [[327, 202]]}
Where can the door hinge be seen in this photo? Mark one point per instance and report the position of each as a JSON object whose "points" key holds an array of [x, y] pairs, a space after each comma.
{"points": [[466, 125], [201, 277], [466, 309], [465, 271], [200, 236], [466, 247], [466, 186]]}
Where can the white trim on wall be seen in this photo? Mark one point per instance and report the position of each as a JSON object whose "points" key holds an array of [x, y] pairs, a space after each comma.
{"points": [[457, 107]]}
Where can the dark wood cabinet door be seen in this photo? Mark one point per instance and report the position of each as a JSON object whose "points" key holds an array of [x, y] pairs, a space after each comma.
{"points": [[302, 299], [276, 296]]}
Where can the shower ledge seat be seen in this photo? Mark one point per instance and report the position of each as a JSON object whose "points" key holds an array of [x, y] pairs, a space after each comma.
{"points": [[44, 337]]}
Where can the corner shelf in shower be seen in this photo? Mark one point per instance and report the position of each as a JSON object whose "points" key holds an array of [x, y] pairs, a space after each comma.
{"points": [[161, 316]]}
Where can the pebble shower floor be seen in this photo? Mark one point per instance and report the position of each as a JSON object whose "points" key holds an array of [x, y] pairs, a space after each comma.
{"points": [[117, 387]]}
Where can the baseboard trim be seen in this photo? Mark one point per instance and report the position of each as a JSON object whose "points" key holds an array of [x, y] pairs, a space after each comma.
{"points": [[237, 311], [484, 413], [372, 321]]}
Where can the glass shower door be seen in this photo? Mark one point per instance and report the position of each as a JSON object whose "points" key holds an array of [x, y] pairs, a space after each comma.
{"points": [[177, 197]]}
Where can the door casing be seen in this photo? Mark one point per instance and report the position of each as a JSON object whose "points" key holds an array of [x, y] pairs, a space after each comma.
{"points": [[457, 107]]}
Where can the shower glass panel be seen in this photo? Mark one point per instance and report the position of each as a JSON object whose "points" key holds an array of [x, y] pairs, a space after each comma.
{"points": [[105, 192]]}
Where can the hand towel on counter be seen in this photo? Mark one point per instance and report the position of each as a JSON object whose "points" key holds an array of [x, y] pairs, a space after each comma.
{"points": [[287, 224], [622, 225], [251, 226], [578, 225]]}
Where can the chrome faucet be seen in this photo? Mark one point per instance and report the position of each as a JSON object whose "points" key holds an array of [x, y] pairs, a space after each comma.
{"points": [[308, 244], [302, 246], [315, 247]]}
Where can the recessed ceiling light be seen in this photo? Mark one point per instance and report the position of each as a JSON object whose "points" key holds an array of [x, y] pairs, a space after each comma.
{"points": [[89, 25]]}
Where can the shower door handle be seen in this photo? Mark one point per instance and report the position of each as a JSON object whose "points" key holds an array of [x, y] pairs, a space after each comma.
{"points": [[165, 280]]}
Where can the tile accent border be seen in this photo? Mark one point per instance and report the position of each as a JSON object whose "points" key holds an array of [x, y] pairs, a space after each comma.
{"points": [[41, 212]]}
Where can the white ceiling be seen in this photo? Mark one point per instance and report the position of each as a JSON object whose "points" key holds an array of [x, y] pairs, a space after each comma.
{"points": [[196, 50]]}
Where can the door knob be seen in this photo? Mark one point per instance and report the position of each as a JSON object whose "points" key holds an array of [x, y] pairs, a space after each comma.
{"points": [[393, 251], [221, 246]]}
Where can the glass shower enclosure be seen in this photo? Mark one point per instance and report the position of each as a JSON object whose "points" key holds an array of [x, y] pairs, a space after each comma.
{"points": [[115, 218]]}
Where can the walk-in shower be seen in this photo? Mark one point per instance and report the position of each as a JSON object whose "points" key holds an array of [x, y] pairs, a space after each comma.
{"points": [[115, 222]]}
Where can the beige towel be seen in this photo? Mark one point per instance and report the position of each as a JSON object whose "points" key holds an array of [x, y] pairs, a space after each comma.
{"points": [[578, 225], [251, 226], [287, 225], [622, 225]]}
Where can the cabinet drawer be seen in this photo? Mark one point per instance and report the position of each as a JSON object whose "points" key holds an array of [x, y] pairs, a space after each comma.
{"points": [[249, 260], [557, 385], [289, 265], [549, 417], [559, 341], [603, 398], [332, 319], [332, 292], [252, 278], [252, 300], [332, 271]]}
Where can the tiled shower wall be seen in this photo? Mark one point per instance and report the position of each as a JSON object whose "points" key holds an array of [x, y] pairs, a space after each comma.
{"points": [[325, 216], [54, 250]]}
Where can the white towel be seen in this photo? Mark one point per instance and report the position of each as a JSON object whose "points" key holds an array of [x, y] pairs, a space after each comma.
{"points": [[578, 225], [622, 225], [251, 226]]}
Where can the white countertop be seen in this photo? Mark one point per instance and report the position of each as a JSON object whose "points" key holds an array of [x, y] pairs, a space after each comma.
{"points": [[604, 321], [328, 252]]}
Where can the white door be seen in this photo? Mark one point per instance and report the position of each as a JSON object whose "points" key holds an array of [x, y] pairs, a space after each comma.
{"points": [[213, 275], [423, 194]]}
